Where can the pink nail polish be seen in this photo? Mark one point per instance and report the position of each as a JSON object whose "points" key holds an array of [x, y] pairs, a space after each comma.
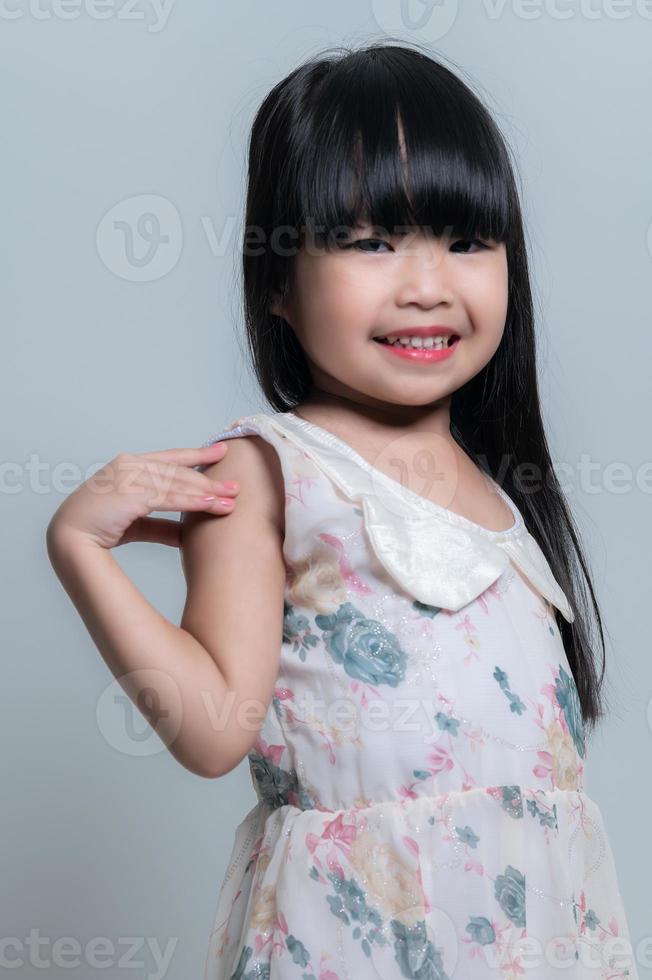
{"points": [[209, 497]]}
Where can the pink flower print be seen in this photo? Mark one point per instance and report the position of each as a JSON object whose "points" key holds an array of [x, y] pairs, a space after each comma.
{"points": [[476, 866], [364, 699], [541, 613], [440, 760], [473, 645], [272, 752], [496, 589], [582, 907], [589, 919], [283, 693], [470, 629], [411, 845], [468, 783], [466, 623], [325, 974], [305, 474], [354, 583], [260, 941], [335, 835], [549, 691], [336, 830], [544, 770], [407, 793]]}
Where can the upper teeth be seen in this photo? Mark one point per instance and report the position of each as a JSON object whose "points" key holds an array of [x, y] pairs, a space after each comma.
{"points": [[436, 342]]}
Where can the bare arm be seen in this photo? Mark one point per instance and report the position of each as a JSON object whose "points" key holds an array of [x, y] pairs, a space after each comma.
{"points": [[235, 574], [226, 650]]}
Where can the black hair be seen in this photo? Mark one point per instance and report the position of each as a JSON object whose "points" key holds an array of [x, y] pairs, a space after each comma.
{"points": [[325, 153]]}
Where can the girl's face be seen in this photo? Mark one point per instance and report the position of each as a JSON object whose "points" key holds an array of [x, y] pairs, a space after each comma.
{"points": [[375, 283]]}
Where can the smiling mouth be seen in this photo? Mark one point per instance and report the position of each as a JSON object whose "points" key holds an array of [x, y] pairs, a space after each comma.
{"points": [[420, 343]]}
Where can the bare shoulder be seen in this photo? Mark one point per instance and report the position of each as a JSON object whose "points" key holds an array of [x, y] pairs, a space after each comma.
{"points": [[254, 463]]}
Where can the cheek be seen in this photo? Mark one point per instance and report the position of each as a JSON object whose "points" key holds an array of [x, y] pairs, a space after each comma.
{"points": [[490, 299], [342, 303], [349, 287]]}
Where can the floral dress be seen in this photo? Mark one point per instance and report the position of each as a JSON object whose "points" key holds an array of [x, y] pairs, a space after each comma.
{"points": [[419, 809]]}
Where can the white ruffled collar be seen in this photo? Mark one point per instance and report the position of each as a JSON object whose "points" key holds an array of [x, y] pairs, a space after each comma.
{"points": [[439, 557]]}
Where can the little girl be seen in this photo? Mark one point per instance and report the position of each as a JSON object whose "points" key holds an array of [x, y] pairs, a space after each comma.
{"points": [[392, 622]]}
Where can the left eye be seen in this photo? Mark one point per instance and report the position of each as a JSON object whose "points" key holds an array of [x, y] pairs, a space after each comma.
{"points": [[366, 241], [471, 241]]}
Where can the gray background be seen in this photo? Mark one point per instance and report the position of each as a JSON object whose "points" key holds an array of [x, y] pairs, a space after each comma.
{"points": [[112, 350]]}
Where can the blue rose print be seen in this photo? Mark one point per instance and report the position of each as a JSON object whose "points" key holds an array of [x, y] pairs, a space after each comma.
{"points": [[512, 800], [509, 889], [481, 930], [569, 701], [350, 905], [274, 784], [467, 836], [300, 954], [364, 647], [417, 957], [547, 818], [296, 631]]}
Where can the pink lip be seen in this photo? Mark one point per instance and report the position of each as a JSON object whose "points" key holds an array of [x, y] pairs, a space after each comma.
{"points": [[437, 331], [420, 354]]}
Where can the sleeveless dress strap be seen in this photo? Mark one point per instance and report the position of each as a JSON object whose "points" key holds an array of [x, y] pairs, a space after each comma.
{"points": [[251, 425]]}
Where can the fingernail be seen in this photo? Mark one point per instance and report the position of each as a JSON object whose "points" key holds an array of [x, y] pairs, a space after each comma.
{"points": [[226, 501], [209, 497], [231, 484]]}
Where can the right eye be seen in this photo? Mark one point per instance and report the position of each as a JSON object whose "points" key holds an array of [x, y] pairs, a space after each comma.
{"points": [[366, 241]]}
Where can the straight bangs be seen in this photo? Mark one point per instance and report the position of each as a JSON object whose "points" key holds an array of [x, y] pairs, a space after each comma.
{"points": [[407, 150]]}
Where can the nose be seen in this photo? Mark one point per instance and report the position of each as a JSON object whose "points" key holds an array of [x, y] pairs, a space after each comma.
{"points": [[423, 273]]}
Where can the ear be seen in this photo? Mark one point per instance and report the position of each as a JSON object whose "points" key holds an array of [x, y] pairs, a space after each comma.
{"points": [[275, 305], [278, 307]]}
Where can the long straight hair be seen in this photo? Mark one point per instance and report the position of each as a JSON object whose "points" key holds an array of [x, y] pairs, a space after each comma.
{"points": [[324, 153]]}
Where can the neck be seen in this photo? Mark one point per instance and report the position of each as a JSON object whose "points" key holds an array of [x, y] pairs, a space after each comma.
{"points": [[433, 417]]}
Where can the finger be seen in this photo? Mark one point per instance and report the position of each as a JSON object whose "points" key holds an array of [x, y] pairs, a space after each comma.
{"points": [[191, 502], [171, 478], [189, 456]]}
